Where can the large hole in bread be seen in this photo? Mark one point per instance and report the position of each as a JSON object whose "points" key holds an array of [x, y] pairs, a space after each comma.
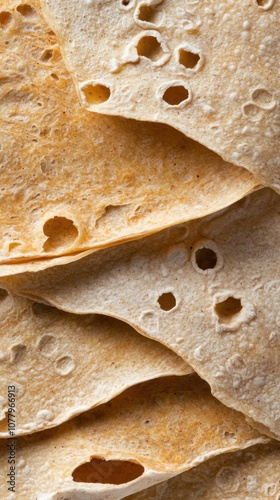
{"points": [[175, 95], [228, 309], [167, 301], [5, 18], [61, 233], [188, 59], [107, 471], [149, 46], [205, 258], [96, 94]]}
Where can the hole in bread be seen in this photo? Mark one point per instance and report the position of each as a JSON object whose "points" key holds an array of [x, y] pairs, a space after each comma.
{"points": [[61, 232], [18, 352], [147, 14], [47, 55], [175, 95], [54, 76], [205, 258], [3, 294], [125, 2], [5, 18], [188, 59], [26, 10], [167, 301], [266, 4], [228, 309], [96, 94], [13, 246], [107, 471], [149, 47]]}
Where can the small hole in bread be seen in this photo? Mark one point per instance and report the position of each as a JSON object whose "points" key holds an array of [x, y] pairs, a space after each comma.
{"points": [[228, 309], [188, 59], [175, 95], [149, 47], [96, 94], [205, 258], [61, 233], [107, 471], [26, 10], [125, 2], [46, 56], [5, 18], [3, 294], [167, 301], [147, 14]]}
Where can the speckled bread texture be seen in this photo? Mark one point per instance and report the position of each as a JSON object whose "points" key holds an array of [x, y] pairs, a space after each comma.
{"points": [[209, 69], [208, 289], [72, 180], [165, 426], [63, 364], [252, 474]]}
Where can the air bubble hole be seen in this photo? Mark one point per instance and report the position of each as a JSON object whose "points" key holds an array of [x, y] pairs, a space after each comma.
{"points": [[3, 294], [167, 301], [26, 10], [149, 47], [188, 59], [205, 258], [61, 232], [228, 309], [175, 95], [5, 18], [147, 14], [107, 471], [47, 55], [96, 94]]}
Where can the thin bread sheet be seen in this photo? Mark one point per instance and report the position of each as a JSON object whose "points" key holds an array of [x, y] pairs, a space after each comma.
{"points": [[147, 434], [62, 364], [208, 289], [74, 181], [211, 70], [251, 474]]}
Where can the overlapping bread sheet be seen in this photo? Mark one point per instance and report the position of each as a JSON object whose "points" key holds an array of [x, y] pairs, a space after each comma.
{"points": [[154, 425], [72, 180], [63, 364], [209, 69], [251, 474], [208, 289]]}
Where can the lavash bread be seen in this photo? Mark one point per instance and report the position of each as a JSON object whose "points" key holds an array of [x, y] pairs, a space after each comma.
{"points": [[153, 425], [211, 69], [209, 290]]}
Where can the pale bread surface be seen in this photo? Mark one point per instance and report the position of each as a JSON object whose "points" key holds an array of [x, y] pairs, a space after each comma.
{"points": [[63, 364]]}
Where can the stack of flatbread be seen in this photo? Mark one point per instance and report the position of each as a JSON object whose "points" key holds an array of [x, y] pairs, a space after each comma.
{"points": [[139, 250]]}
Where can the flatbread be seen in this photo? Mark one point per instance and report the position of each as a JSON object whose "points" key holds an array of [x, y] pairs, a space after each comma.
{"points": [[74, 181], [165, 426], [208, 289], [252, 474], [209, 70], [62, 364]]}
